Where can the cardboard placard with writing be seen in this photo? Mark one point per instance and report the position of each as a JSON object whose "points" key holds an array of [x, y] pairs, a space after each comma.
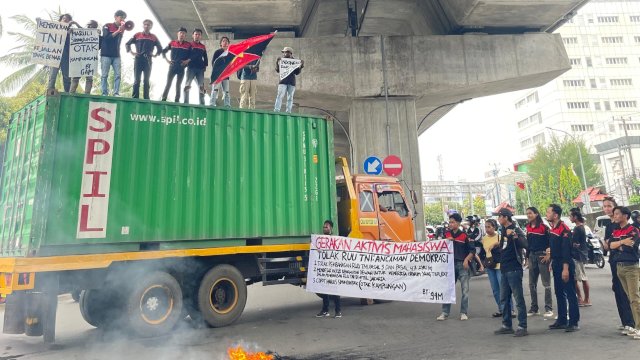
{"points": [[287, 66], [83, 52], [50, 39], [413, 271]]}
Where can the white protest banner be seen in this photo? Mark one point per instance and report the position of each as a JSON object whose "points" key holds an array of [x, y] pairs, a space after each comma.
{"points": [[83, 52], [414, 271], [50, 39], [287, 66]]}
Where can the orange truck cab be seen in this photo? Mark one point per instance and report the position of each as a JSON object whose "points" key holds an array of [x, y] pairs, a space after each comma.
{"points": [[373, 207]]}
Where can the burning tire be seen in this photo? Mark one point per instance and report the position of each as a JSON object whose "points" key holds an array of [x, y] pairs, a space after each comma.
{"points": [[154, 304], [96, 307], [222, 295]]}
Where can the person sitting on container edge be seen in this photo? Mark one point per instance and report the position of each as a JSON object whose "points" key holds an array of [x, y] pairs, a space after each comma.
{"points": [[327, 229], [288, 84], [463, 252]]}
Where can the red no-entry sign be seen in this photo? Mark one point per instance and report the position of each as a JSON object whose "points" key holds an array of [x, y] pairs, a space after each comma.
{"points": [[392, 165]]}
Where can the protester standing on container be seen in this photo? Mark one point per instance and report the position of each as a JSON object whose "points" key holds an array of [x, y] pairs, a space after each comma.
{"points": [[539, 259], [196, 67], [180, 58], [580, 253], [327, 229], [249, 85], [145, 42], [463, 253], [64, 60], [288, 84], [110, 52], [224, 84], [92, 24]]}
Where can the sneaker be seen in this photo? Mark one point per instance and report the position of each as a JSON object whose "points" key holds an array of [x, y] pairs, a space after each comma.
{"points": [[442, 317], [556, 326], [626, 330], [520, 332], [572, 328], [464, 317], [504, 330], [548, 313], [532, 313], [323, 314], [496, 314], [338, 315], [633, 332], [637, 337]]}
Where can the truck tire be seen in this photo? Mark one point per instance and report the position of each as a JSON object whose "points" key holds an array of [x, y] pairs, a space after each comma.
{"points": [[153, 305], [95, 307], [222, 295]]}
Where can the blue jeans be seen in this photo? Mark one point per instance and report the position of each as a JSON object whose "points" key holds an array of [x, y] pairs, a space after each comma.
{"points": [[511, 284], [224, 84], [566, 293], [282, 89], [463, 275], [105, 63], [494, 280]]}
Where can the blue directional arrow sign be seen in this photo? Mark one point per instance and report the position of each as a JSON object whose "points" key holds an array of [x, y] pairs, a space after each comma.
{"points": [[373, 166]]}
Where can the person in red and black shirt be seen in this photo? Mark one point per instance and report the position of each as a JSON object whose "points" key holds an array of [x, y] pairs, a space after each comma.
{"points": [[564, 271], [145, 42], [196, 66], [626, 241], [463, 252], [110, 52], [538, 252], [180, 58]]}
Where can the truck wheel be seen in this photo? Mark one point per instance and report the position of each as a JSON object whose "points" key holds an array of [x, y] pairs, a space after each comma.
{"points": [[154, 304], [222, 295], [95, 307]]}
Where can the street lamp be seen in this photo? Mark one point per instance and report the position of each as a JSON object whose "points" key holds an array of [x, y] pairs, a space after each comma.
{"points": [[584, 178]]}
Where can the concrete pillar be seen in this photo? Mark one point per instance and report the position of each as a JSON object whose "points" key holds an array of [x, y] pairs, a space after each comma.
{"points": [[373, 133]]}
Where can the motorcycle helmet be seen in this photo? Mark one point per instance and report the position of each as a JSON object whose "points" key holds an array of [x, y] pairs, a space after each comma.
{"points": [[471, 219]]}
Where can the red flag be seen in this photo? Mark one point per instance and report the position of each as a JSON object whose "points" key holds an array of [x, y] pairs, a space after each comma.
{"points": [[238, 56], [238, 62], [243, 46]]}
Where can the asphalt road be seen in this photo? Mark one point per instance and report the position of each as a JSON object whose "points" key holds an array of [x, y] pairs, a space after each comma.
{"points": [[282, 319]]}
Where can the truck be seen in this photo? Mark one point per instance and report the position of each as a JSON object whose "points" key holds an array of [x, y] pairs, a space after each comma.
{"points": [[155, 211]]}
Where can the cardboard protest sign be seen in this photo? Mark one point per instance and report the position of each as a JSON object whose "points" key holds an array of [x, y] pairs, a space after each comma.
{"points": [[50, 39], [415, 271], [83, 52], [287, 66]]}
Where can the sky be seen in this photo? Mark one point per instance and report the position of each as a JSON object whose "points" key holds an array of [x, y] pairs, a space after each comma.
{"points": [[471, 138]]}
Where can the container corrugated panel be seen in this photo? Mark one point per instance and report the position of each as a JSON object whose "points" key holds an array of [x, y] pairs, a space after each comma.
{"points": [[179, 176]]}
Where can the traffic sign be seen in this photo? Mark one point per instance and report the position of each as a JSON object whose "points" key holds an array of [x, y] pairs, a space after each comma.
{"points": [[392, 165], [372, 166]]}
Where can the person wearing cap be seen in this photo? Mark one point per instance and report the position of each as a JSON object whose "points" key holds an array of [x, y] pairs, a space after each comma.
{"points": [[110, 52], [92, 24], [564, 271], [64, 60], [180, 58], [197, 66], [145, 43], [224, 84], [512, 242], [288, 84], [463, 252]]}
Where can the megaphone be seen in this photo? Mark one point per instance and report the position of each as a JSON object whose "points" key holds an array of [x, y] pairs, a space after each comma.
{"points": [[128, 25]]}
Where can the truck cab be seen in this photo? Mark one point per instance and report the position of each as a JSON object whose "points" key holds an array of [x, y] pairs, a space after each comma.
{"points": [[373, 207]]}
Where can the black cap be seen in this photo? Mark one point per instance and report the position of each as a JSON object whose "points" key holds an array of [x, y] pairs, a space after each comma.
{"points": [[121, 13], [505, 212], [455, 216], [182, 29]]}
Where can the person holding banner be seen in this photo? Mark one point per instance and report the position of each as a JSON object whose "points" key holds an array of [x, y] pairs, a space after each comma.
{"points": [[463, 252], [288, 67], [224, 84], [110, 52], [197, 66], [145, 43], [180, 58], [92, 24], [64, 61], [327, 229]]}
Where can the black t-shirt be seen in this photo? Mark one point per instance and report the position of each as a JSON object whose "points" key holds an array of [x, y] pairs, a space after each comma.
{"points": [[511, 248], [579, 247]]}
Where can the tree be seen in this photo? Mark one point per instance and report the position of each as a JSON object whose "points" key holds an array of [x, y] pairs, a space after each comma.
{"points": [[9, 105], [479, 207], [433, 214]]}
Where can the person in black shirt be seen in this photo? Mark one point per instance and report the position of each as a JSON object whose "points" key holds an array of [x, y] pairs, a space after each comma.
{"points": [[580, 253], [463, 252], [564, 271], [196, 66], [145, 42], [288, 84], [110, 52], [224, 84], [180, 58], [635, 217], [327, 229], [512, 241], [539, 258]]}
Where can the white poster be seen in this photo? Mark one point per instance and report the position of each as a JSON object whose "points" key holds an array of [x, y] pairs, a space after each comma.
{"points": [[50, 39], [287, 66], [83, 52], [414, 271]]}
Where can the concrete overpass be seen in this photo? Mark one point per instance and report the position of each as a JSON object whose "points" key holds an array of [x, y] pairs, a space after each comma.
{"points": [[389, 69]]}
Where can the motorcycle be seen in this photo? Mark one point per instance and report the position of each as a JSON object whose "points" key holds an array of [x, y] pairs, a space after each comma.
{"points": [[595, 255]]}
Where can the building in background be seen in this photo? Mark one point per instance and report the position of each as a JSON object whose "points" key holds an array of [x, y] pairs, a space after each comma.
{"points": [[591, 100]]}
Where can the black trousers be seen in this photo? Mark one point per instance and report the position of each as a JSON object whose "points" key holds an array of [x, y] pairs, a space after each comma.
{"points": [[325, 302], [622, 301], [174, 71], [141, 64]]}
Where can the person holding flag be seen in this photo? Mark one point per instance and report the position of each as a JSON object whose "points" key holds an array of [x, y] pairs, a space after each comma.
{"points": [[288, 67]]}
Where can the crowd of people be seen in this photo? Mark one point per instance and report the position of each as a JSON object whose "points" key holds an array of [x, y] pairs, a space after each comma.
{"points": [[185, 57], [549, 251]]}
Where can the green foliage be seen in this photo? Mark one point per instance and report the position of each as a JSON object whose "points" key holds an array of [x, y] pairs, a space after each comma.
{"points": [[433, 214], [478, 207], [635, 198], [9, 105]]}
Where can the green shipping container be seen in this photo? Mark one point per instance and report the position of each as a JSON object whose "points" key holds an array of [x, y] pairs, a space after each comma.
{"points": [[86, 174]]}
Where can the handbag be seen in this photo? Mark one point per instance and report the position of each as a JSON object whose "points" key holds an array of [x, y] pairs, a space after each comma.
{"points": [[488, 263]]}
